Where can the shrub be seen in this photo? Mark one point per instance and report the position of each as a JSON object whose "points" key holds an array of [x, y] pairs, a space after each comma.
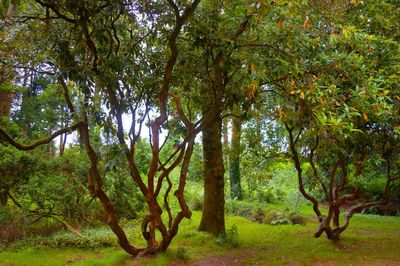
{"points": [[91, 238], [241, 208], [297, 219], [259, 213], [194, 196], [11, 224], [271, 216], [10, 232]]}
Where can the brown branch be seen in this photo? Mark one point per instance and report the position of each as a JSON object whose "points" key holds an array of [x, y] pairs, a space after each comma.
{"points": [[314, 168], [360, 162], [66, 224], [166, 201], [296, 160], [66, 96], [14, 200], [48, 214], [364, 205], [332, 190], [35, 70], [166, 171], [55, 10], [95, 182], [20, 146], [181, 113], [182, 179], [116, 109], [162, 97], [175, 8]]}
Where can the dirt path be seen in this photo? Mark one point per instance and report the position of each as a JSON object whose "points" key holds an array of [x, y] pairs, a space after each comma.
{"points": [[244, 257], [233, 257]]}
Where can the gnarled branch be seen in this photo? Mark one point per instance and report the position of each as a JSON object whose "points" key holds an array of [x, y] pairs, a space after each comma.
{"points": [[20, 146]]}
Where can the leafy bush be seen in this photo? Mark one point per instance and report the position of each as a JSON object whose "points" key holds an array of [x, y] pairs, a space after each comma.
{"points": [[194, 196], [196, 165], [10, 233], [6, 214], [272, 216], [91, 238], [260, 213], [270, 183], [243, 208], [12, 225], [297, 219]]}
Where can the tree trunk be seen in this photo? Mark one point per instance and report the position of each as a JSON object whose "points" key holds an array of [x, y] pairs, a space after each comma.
{"points": [[5, 103], [6, 72], [234, 156], [3, 198], [213, 218], [63, 141], [5, 108]]}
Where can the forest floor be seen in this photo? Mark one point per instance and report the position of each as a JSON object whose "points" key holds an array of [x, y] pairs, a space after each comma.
{"points": [[369, 240]]}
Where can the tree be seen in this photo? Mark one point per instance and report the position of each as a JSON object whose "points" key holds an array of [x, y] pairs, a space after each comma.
{"points": [[98, 58], [216, 42], [5, 104], [234, 154], [340, 121], [6, 72], [316, 59]]}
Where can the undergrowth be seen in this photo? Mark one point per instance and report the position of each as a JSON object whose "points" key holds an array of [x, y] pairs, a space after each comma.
{"points": [[265, 214], [369, 240]]}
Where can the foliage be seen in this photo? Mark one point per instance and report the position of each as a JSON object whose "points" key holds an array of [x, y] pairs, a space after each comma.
{"points": [[266, 214], [196, 164], [195, 196], [91, 238], [16, 167], [269, 181]]}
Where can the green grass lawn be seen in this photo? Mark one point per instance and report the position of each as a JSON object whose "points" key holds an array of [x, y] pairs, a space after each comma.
{"points": [[370, 240]]}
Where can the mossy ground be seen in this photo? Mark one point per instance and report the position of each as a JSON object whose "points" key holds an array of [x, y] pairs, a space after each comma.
{"points": [[370, 240]]}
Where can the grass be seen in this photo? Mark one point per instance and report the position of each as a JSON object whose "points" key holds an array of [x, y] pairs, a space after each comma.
{"points": [[370, 240], [62, 256]]}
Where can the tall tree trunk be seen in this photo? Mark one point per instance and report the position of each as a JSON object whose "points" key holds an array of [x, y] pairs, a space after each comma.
{"points": [[63, 141], [5, 103], [213, 218], [234, 156], [6, 72], [3, 197], [5, 108]]}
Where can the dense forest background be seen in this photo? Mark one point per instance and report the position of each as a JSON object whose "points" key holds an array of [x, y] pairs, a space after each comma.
{"points": [[121, 112]]}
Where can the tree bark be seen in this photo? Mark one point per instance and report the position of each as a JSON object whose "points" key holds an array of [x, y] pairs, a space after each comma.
{"points": [[3, 198], [6, 72], [5, 103], [234, 156], [213, 218]]}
